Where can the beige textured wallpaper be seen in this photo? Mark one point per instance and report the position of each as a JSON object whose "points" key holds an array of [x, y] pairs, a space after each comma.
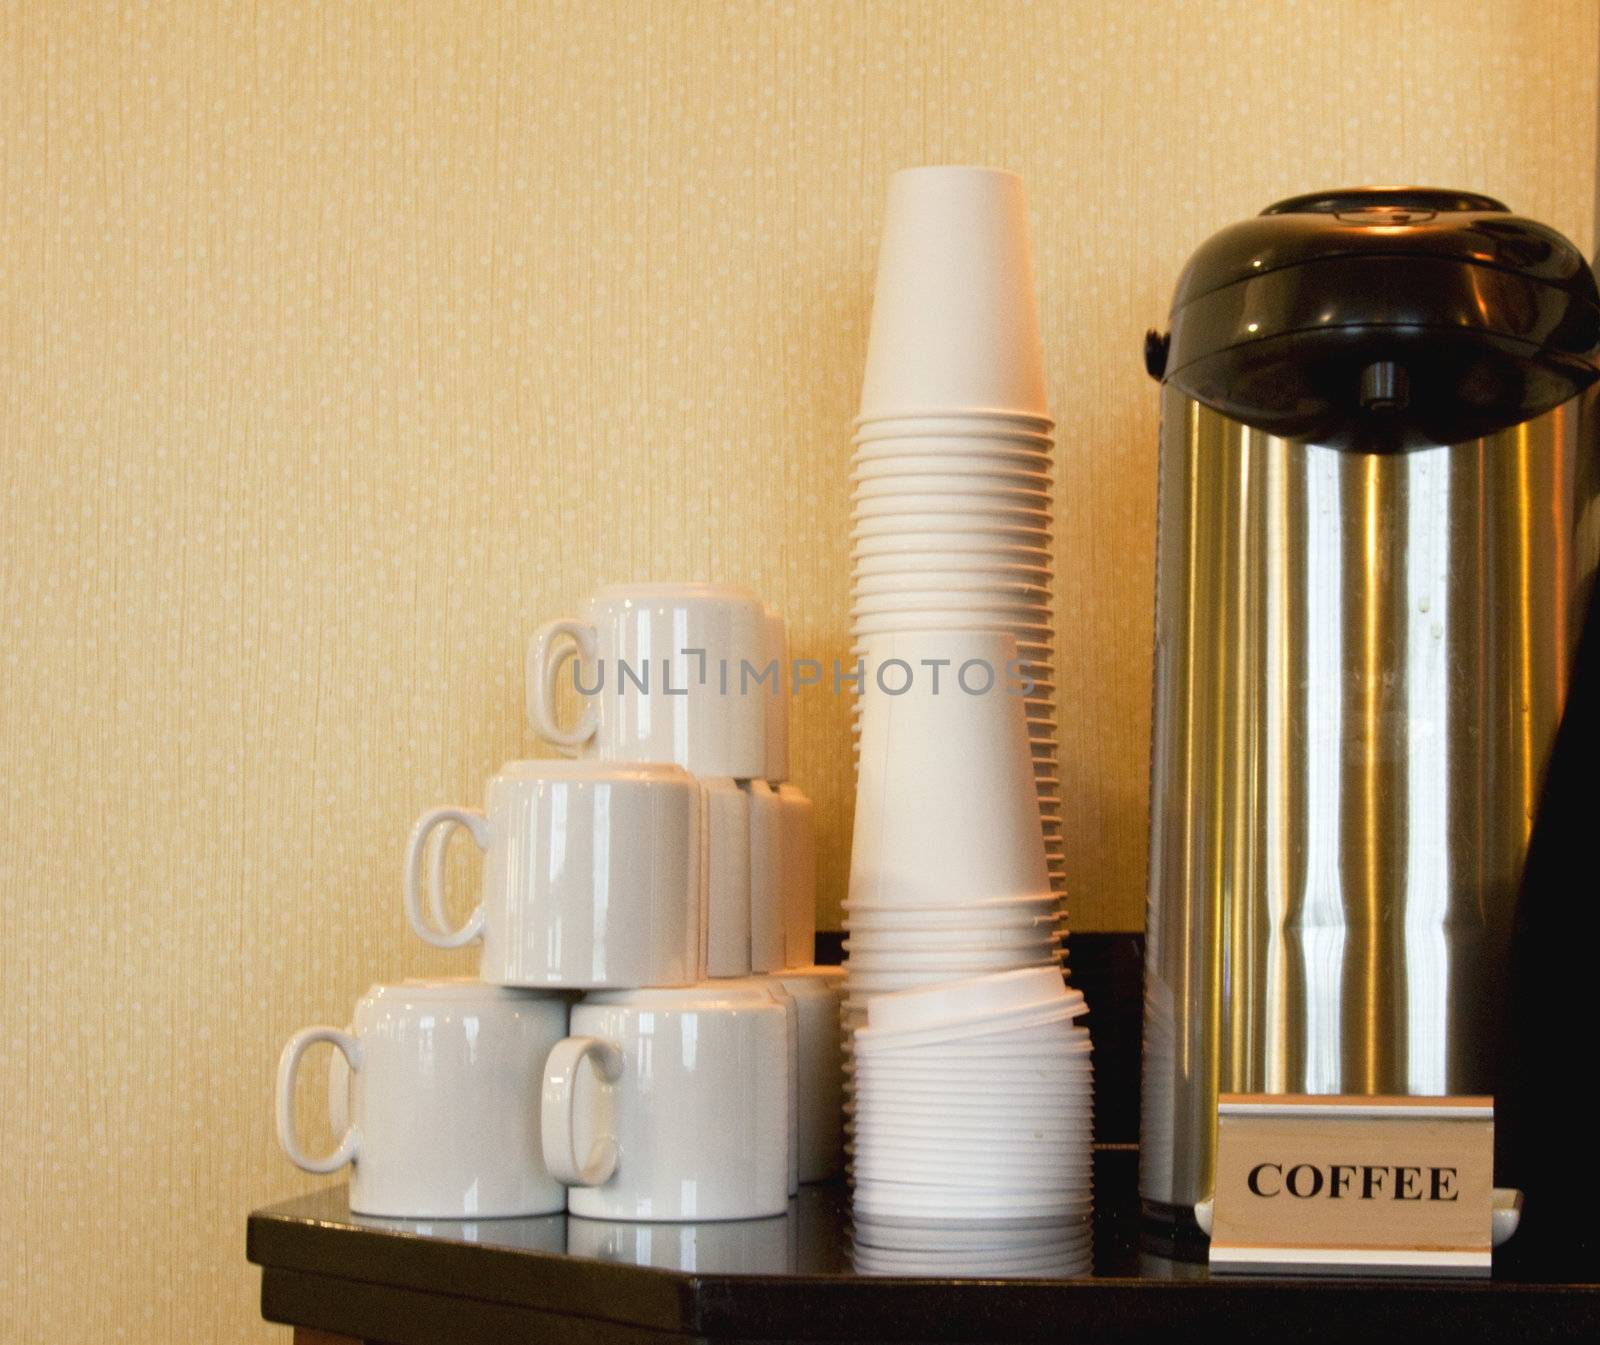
{"points": [[342, 343]]}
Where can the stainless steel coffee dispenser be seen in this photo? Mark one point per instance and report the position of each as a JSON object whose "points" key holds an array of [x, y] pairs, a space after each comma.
{"points": [[1377, 530]]}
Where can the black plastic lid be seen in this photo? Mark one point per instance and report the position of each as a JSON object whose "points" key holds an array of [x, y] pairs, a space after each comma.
{"points": [[1382, 317]]}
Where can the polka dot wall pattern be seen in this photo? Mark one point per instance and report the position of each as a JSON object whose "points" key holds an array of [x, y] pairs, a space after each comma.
{"points": [[341, 344]]}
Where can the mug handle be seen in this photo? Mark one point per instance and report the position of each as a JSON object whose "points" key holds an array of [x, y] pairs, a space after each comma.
{"points": [[547, 655], [288, 1068], [438, 933], [558, 1103]]}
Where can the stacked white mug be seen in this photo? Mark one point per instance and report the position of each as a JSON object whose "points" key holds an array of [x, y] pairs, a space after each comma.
{"points": [[610, 876], [954, 459], [957, 858], [698, 675]]}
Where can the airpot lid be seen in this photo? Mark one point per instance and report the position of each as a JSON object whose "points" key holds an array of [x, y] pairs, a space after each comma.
{"points": [[1476, 317]]}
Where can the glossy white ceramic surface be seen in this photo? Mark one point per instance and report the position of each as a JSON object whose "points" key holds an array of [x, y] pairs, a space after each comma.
{"points": [[591, 875], [672, 1104], [819, 1136], [767, 861], [725, 877], [797, 820], [662, 666], [443, 1104], [775, 986]]}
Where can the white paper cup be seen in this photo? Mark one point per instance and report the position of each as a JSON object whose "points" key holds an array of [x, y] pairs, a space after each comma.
{"points": [[876, 1198], [968, 1222], [1053, 1049], [1044, 937], [995, 529], [952, 964], [947, 586], [933, 621], [1030, 907], [1026, 1031], [954, 454], [881, 982], [1048, 1043], [954, 325], [952, 1078], [954, 433], [991, 470], [934, 935], [945, 802], [977, 997], [975, 548], [962, 423], [888, 555], [1004, 613], [958, 1242], [1066, 1263], [1026, 1099], [917, 594], [980, 1164], [928, 493], [1044, 1096]]}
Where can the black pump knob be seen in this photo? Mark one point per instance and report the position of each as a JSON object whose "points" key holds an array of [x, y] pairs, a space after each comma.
{"points": [[1385, 387], [1156, 346]]}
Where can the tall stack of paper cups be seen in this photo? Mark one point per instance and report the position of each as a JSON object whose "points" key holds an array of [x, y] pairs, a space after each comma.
{"points": [[953, 462], [954, 923]]}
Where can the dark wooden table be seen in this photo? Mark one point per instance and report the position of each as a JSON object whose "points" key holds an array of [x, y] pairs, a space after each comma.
{"points": [[328, 1273], [335, 1277]]}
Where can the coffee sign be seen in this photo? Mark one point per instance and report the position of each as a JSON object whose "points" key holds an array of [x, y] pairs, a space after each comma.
{"points": [[1353, 1184]]}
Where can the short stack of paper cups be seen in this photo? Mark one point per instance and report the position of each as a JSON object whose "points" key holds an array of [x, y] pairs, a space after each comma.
{"points": [[953, 464], [972, 1149]]}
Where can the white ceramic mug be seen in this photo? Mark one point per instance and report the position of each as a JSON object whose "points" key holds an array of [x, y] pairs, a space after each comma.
{"points": [[798, 824], [444, 1100], [667, 672], [767, 878], [819, 1135], [672, 1104], [791, 1010], [591, 875], [725, 874]]}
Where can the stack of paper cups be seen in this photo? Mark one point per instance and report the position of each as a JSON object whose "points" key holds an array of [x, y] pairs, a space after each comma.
{"points": [[947, 868], [973, 1130], [953, 464]]}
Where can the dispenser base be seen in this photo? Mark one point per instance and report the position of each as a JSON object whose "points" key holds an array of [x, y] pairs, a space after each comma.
{"points": [[1171, 1231]]}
